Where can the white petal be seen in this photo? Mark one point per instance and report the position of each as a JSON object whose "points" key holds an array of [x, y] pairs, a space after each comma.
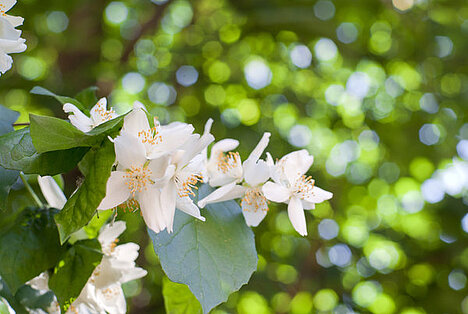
{"points": [[256, 173], [52, 192], [318, 195], [296, 215], [227, 192], [14, 20], [194, 146], [296, 164], [151, 210], [138, 105], [97, 110], [168, 204], [254, 212], [186, 205], [174, 136], [135, 122], [110, 232], [78, 118], [224, 145], [116, 191], [219, 179], [308, 205], [258, 150], [276, 192], [112, 299], [7, 4], [129, 151], [159, 167], [5, 62]]}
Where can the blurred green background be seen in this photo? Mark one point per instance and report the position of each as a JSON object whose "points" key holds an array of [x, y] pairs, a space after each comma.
{"points": [[375, 90]]}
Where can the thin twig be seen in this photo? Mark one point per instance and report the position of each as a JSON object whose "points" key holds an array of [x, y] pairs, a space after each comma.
{"points": [[151, 24], [21, 124], [31, 191]]}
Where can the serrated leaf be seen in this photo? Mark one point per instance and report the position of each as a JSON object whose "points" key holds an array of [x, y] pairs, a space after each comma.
{"points": [[37, 90], [96, 166], [213, 258], [17, 152], [87, 97], [74, 269], [7, 179], [178, 299], [29, 247], [7, 118], [50, 134]]}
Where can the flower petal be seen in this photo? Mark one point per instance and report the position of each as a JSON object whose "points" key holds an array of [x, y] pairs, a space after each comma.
{"points": [[258, 150], [296, 164], [186, 205], [276, 192], [318, 195], [78, 118], [255, 212], [109, 233], [256, 173], [135, 122], [98, 109], [52, 192], [174, 136], [168, 204], [151, 210], [297, 216], [129, 151], [308, 205], [227, 192], [116, 191]]}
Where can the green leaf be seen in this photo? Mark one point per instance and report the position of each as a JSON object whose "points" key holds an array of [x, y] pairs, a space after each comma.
{"points": [[7, 179], [50, 134], [29, 247], [10, 298], [34, 299], [178, 299], [74, 269], [7, 118], [96, 166], [87, 97], [17, 152], [37, 90], [214, 258]]}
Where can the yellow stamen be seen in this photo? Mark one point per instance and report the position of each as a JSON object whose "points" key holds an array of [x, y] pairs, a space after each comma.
{"points": [[228, 161], [303, 186], [254, 197], [185, 186], [106, 115], [137, 179], [152, 135]]}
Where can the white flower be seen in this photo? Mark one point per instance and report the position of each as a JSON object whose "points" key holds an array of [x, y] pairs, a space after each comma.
{"points": [[216, 171], [52, 192], [136, 181], [253, 173], [158, 140], [10, 38], [98, 115], [187, 167], [294, 188]]}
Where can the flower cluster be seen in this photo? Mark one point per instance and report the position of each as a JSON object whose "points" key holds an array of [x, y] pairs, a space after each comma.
{"points": [[10, 37], [159, 166]]}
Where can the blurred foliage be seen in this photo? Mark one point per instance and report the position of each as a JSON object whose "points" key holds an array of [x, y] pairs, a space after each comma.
{"points": [[375, 90]]}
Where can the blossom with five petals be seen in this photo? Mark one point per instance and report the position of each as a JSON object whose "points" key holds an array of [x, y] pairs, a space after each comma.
{"points": [[247, 184], [98, 115], [293, 187], [10, 37]]}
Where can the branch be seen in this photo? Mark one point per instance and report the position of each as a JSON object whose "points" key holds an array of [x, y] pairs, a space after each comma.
{"points": [[152, 23]]}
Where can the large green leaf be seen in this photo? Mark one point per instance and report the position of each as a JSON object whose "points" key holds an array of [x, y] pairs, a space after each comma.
{"points": [[50, 134], [178, 299], [17, 152], [7, 118], [62, 99], [74, 270], [214, 258], [96, 166], [28, 247], [7, 179]]}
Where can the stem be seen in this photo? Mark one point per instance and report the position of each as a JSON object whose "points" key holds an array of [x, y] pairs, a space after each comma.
{"points": [[30, 190], [21, 124]]}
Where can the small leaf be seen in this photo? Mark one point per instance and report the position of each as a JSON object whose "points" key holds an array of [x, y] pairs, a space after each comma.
{"points": [[17, 152], [29, 247], [178, 299], [74, 270], [37, 90], [96, 166], [87, 97], [50, 134], [214, 258], [7, 179], [7, 118]]}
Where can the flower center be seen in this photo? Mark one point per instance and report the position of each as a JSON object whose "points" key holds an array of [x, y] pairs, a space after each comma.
{"points": [[229, 161], [303, 186], [254, 200], [152, 135], [137, 179], [105, 115], [2, 10], [186, 185], [131, 205]]}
